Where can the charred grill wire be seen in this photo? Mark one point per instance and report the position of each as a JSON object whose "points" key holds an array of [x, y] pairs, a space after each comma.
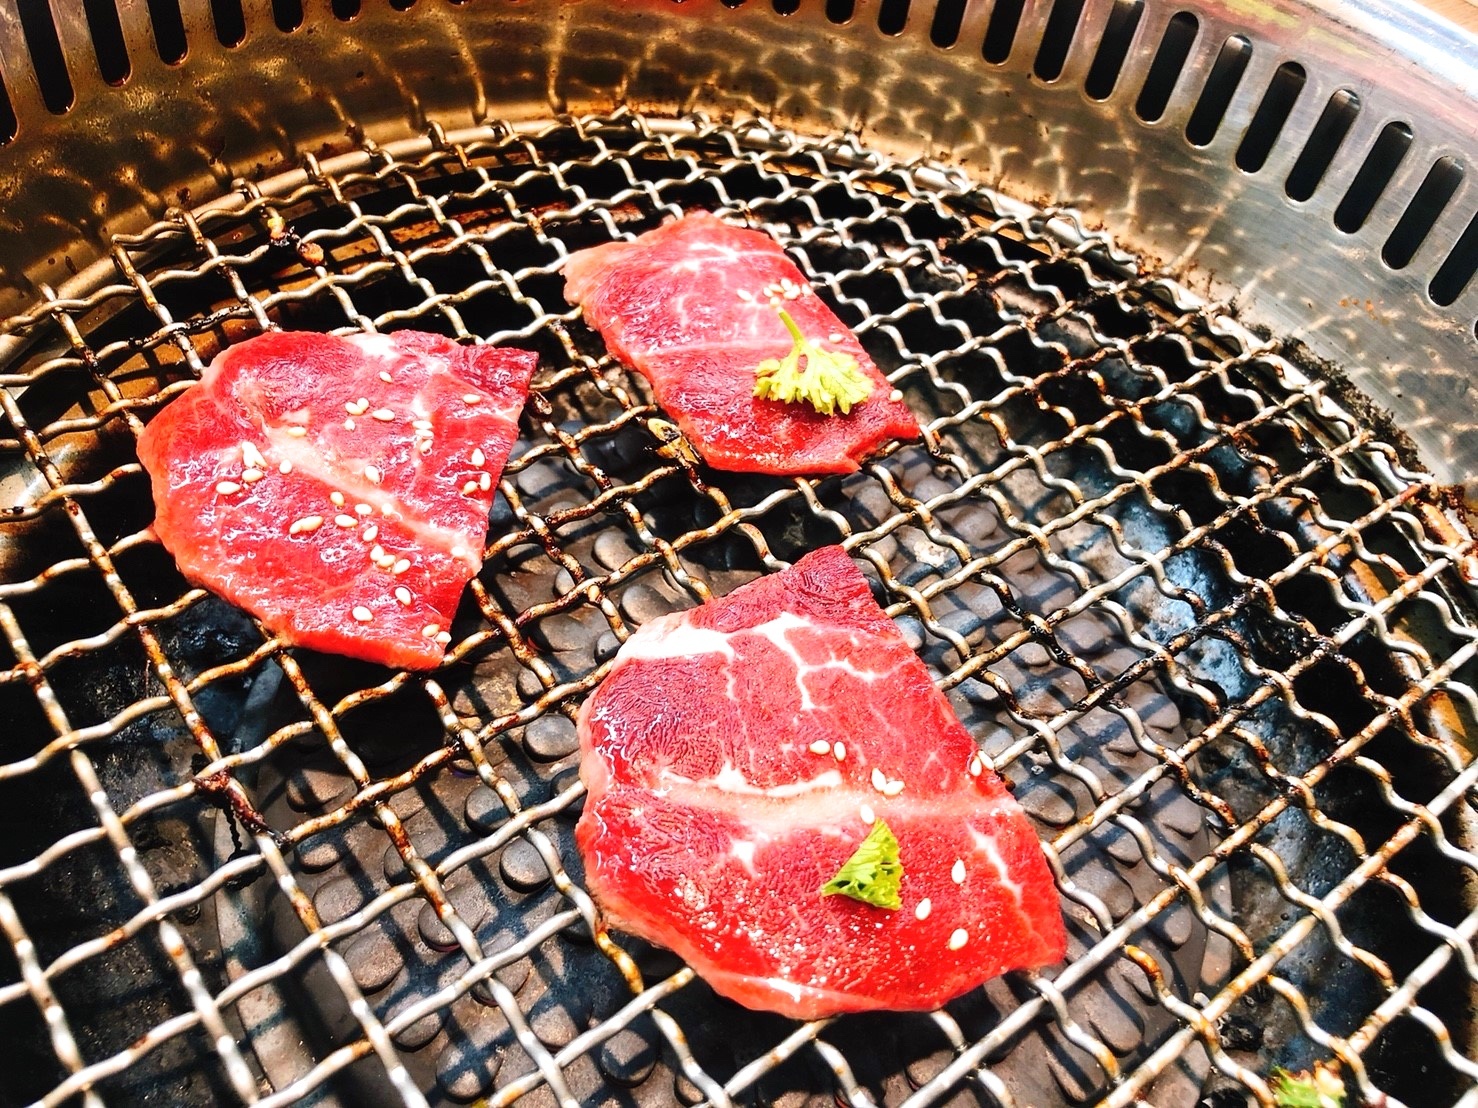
{"points": [[1202, 617]]}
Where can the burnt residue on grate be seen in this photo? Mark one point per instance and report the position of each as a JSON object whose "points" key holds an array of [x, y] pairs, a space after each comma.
{"points": [[1199, 615]]}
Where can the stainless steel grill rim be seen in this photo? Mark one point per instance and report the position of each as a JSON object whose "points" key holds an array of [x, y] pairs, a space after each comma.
{"points": [[147, 274]]}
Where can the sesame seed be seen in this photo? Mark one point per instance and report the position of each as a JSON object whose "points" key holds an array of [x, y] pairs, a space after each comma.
{"points": [[387, 511], [372, 474], [307, 523], [297, 431], [469, 488], [835, 336], [977, 767], [385, 376], [385, 561], [363, 614], [377, 552], [337, 497], [424, 446], [403, 595], [957, 871], [384, 415], [879, 779], [444, 637], [792, 293], [839, 751], [958, 938], [431, 630], [284, 467], [479, 459], [357, 407], [346, 521], [400, 566], [421, 424], [252, 476], [820, 746], [227, 488], [896, 395], [892, 788], [471, 398], [349, 424], [370, 533], [363, 510], [746, 296], [867, 814], [252, 456], [485, 481], [923, 908]]}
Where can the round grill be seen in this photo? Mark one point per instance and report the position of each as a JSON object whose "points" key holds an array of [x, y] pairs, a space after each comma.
{"points": [[1199, 613]]}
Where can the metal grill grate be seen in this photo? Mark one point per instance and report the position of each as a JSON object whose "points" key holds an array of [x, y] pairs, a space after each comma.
{"points": [[1199, 614]]}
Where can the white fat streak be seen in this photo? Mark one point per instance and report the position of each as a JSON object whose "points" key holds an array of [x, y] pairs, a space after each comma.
{"points": [[678, 639], [987, 846], [731, 780], [376, 346], [744, 849]]}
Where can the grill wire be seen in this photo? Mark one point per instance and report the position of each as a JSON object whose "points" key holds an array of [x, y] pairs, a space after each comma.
{"points": [[1248, 549]]}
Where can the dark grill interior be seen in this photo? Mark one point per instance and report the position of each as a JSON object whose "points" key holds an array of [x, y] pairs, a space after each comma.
{"points": [[1200, 614]]}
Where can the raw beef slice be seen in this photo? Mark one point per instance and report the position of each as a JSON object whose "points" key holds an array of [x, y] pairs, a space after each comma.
{"points": [[738, 754], [338, 488], [694, 307]]}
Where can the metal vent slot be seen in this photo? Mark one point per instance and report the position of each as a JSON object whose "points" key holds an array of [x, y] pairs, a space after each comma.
{"points": [[1380, 165], [1272, 113], [1165, 70], [839, 12], [169, 30], [1113, 48], [1221, 87], [230, 22], [1426, 207], [1057, 39], [786, 7], [345, 10], [1000, 32], [1323, 144], [893, 16], [1457, 268], [8, 121], [287, 14], [944, 29], [106, 32], [46, 55]]}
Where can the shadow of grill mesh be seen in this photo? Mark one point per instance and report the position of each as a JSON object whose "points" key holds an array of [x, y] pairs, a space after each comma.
{"points": [[1195, 611]]}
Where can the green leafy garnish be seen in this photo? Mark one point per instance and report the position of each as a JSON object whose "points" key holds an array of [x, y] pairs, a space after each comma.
{"points": [[827, 380], [873, 873], [1323, 1088]]}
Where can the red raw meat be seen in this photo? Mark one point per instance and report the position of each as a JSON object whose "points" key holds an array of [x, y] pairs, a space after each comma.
{"points": [[735, 758], [689, 306], [338, 488]]}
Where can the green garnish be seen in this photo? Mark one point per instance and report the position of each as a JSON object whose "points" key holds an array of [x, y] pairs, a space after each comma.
{"points": [[873, 873], [825, 379], [1323, 1088]]}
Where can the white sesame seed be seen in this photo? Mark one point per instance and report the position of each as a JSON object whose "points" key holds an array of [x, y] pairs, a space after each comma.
{"points": [[792, 293], [923, 908], [896, 395], [384, 415], [227, 488], [444, 637], [879, 779], [835, 336], [431, 630], [820, 746], [251, 456], [424, 446], [746, 296], [403, 595], [372, 474], [400, 566], [296, 431], [485, 481], [357, 407], [385, 561], [957, 871], [867, 814], [839, 751], [421, 424], [346, 521], [363, 614], [387, 511], [892, 788], [307, 523], [479, 459], [976, 766], [337, 497], [252, 476], [377, 552], [958, 938], [471, 398], [469, 488], [363, 510], [370, 533], [385, 376], [284, 467], [349, 424]]}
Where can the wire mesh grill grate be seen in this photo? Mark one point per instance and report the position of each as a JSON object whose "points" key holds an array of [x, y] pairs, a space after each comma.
{"points": [[1201, 616]]}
